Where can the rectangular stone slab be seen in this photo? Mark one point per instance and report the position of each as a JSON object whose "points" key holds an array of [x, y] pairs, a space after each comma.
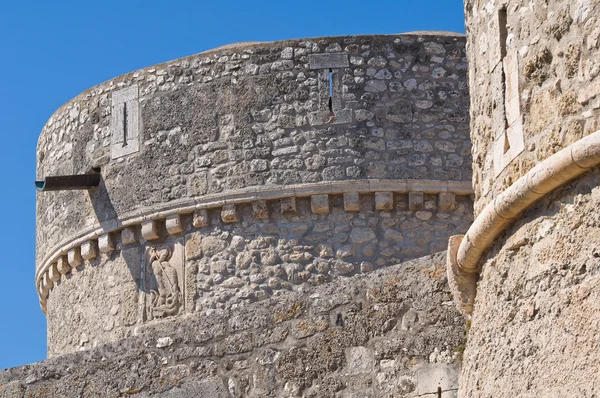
{"points": [[328, 61]]}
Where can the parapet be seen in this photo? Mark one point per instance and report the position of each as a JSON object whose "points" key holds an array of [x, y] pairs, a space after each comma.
{"points": [[248, 171]]}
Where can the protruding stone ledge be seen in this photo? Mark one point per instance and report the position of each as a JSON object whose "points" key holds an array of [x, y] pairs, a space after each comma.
{"points": [[174, 224], [146, 226], [150, 230], [106, 243], [89, 250], [556, 170], [319, 204]]}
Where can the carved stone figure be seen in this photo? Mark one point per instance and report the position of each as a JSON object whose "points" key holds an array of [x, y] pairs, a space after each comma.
{"points": [[165, 293]]}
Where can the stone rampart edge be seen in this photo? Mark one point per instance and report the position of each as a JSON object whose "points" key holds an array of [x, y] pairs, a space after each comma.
{"points": [[546, 176]]}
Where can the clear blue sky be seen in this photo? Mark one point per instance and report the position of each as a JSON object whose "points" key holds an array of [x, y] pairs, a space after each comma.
{"points": [[50, 51]]}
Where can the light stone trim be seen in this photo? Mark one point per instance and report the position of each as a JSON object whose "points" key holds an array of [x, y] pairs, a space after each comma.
{"points": [[106, 243], [319, 204], [200, 218], [128, 236], [229, 214], [416, 201], [63, 265], [74, 256], [171, 213], [174, 224], [384, 201], [556, 170], [288, 206], [260, 210], [351, 201], [446, 201], [150, 230], [53, 273], [89, 250]]}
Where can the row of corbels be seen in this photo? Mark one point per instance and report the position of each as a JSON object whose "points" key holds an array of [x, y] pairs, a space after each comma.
{"points": [[149, 229]]}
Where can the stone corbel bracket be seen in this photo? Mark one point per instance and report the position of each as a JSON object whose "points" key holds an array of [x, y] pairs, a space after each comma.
{"points": [[143, 226], [465, 251]]}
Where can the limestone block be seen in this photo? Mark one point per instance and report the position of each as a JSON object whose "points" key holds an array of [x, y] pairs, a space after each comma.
{"points": [[319, 204], [288, 206], [432, 377], [447, 201], [174, 224], [43, 292], [128, 236], [463, 285], [384, 201], [359, 360], [106, 243], [150, 230], [229, 214], [415, 201], [260, 210], [89, 250], [63, 265], [351, 201], [74, 257], [327, 61], [586, 151], [53, 272], [47, 281], [200, 218]]}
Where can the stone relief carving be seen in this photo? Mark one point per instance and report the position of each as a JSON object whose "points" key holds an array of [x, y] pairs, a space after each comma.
{"points": [[162, 281]]}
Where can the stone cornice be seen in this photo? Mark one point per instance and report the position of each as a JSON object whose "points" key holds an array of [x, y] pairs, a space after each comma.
{"points": [[465, 251], [87, 243]]}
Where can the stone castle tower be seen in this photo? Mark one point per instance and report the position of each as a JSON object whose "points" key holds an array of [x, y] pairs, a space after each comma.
{"points": [[535, 243], [270, 220]]}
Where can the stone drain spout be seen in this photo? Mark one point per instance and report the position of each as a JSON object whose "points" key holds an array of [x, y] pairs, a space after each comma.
{"points": [[68, 183]]}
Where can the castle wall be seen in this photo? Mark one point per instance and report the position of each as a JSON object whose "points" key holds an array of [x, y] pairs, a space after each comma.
{"points": [[249, 172], [534, 325], [227, 265], [258, 115], [391, 333]]}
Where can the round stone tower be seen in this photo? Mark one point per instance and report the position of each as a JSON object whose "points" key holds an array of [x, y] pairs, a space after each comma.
{"points": [[248, 172], [535, 242]]}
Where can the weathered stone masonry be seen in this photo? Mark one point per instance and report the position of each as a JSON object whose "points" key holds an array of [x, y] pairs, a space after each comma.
{"points": [[242, 173], [265, 225], [535, 107]]}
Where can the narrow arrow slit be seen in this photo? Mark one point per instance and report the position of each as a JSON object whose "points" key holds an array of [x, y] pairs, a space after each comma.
{"points": [[125, 124]]}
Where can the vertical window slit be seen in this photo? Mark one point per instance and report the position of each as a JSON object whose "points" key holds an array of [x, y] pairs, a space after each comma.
{"points": [[331, 91], [502, 35], [439, 392], [125, 124]]}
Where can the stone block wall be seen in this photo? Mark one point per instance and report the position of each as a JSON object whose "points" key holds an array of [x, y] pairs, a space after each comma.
{"points": [[535, 89], [238, 174], [252, 116], [222, 265], [392, 333]]}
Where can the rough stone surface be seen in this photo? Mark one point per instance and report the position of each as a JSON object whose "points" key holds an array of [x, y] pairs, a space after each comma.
{"points": [[246, 220], [227, 264], [534, 326], [245, 116], [336, 340]]}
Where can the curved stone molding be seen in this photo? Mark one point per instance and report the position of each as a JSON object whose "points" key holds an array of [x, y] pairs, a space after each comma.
{"points": [[548, 175], [102, 238]]}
